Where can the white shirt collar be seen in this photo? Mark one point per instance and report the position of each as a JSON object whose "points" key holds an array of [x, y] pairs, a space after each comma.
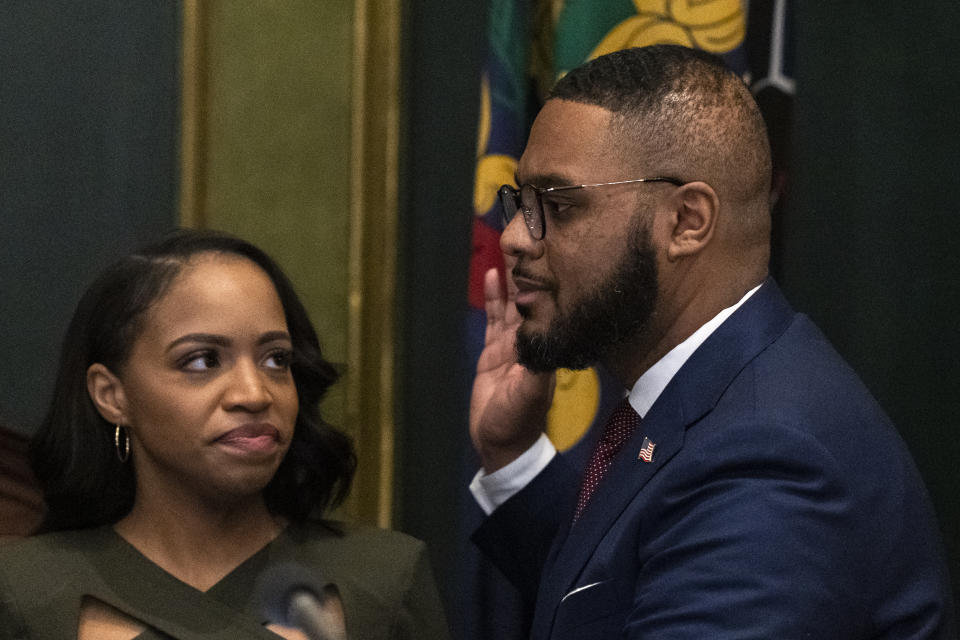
{"points": [[651, 384]]}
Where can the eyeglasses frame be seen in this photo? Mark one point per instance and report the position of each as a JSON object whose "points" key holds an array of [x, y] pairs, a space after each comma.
{"points": [[530, 216]]}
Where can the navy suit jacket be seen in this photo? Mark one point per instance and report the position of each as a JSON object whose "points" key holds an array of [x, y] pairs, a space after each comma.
{"points": [[780, 503]]}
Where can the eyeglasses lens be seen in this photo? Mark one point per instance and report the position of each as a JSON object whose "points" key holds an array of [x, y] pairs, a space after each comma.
{"points": [[508, 202], [532, 214]]}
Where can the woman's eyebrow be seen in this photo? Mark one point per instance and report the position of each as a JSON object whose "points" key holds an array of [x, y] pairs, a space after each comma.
{"points": [[272, 336], [224, 341], [206, 338]]}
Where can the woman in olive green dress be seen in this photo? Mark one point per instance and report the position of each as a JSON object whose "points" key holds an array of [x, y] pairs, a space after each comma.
{"points": [[183, 458]]}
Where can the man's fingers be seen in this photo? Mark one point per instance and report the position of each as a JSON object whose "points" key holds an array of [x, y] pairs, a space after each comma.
{"points": [[493, 300]]}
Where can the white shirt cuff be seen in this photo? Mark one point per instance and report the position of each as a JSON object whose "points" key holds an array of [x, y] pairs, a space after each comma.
{"points": [[492, 490]]}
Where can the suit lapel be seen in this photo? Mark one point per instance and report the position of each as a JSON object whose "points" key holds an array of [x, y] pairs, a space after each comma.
{"points": [[692, 393], [625, 479]]}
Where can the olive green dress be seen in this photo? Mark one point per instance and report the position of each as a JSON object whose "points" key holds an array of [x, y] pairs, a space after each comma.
{"points": [[383, 577]]}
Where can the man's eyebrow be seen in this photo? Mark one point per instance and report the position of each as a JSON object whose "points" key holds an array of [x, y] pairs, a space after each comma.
{"points": [[545, 180]]}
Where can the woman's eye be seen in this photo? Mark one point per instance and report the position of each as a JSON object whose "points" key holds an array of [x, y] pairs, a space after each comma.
{"points": [[200, 361], [279, 359]]}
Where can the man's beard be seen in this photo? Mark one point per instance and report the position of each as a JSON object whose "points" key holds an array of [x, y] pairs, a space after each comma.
{"points": [[613, 313]]}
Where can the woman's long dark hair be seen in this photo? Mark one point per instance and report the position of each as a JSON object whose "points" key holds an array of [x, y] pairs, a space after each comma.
{"points": [[73, 454]]}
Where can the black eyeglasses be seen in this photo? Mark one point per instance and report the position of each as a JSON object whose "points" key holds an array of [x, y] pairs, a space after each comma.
{"points": [[529, 200]]}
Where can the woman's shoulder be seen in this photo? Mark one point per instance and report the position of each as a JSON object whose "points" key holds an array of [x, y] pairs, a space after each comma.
{"points": [[344, 536], [363, 554], [47, 571], [383, 576], [57, 543], [48, 550]]}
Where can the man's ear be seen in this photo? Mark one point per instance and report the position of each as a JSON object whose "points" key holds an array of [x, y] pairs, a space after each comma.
{"points": [[106, 391], [696, 206]]}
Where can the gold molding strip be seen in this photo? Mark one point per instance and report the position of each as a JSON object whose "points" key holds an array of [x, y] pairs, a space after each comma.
{"points": [[354, 390], [374, 178], [191, 116], [374, 182]]}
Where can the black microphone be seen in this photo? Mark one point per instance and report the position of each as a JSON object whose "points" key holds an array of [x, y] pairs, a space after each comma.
{"points": [[294, 596]]}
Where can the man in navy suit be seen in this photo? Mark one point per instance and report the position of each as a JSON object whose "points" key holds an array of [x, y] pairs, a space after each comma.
{"points": [[750, 487]]}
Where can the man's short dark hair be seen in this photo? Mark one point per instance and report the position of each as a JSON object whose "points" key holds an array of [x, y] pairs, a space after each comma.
{"points": [[683, 109], [638, 79]]}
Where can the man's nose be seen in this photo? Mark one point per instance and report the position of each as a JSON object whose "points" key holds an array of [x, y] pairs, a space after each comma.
{"points": [[516, 239]]}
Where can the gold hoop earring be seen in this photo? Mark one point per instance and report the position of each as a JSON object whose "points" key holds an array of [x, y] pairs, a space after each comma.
{"points": [[125, 453]]}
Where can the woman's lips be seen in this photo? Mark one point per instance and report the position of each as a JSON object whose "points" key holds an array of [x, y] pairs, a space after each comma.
{"points": [[252, 438]]}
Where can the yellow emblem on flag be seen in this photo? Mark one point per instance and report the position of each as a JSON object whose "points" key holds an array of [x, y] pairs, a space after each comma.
{"points": [[493, 169], [575, 402], [716, 26]]}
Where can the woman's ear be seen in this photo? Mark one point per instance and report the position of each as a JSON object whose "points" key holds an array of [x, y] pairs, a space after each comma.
{"points": [[696, 209], [106, 391]]}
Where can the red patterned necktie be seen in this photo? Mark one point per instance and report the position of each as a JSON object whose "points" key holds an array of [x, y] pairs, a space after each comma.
{"points": [[620, 426]]}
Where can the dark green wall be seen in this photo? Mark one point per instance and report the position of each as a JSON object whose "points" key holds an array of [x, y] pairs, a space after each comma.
{"points": [[89, 112], [443, 55], [870, 239]]}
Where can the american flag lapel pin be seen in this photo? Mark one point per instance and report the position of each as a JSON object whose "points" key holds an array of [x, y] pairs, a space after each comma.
{"points": [[646, 451]]}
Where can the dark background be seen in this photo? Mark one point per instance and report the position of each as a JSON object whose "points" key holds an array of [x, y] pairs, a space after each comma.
{"points": [[89, 96], [89, 123], [869, 241]]}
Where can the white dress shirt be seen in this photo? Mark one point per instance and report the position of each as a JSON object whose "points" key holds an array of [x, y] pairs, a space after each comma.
{"points": [[492, 490]]}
